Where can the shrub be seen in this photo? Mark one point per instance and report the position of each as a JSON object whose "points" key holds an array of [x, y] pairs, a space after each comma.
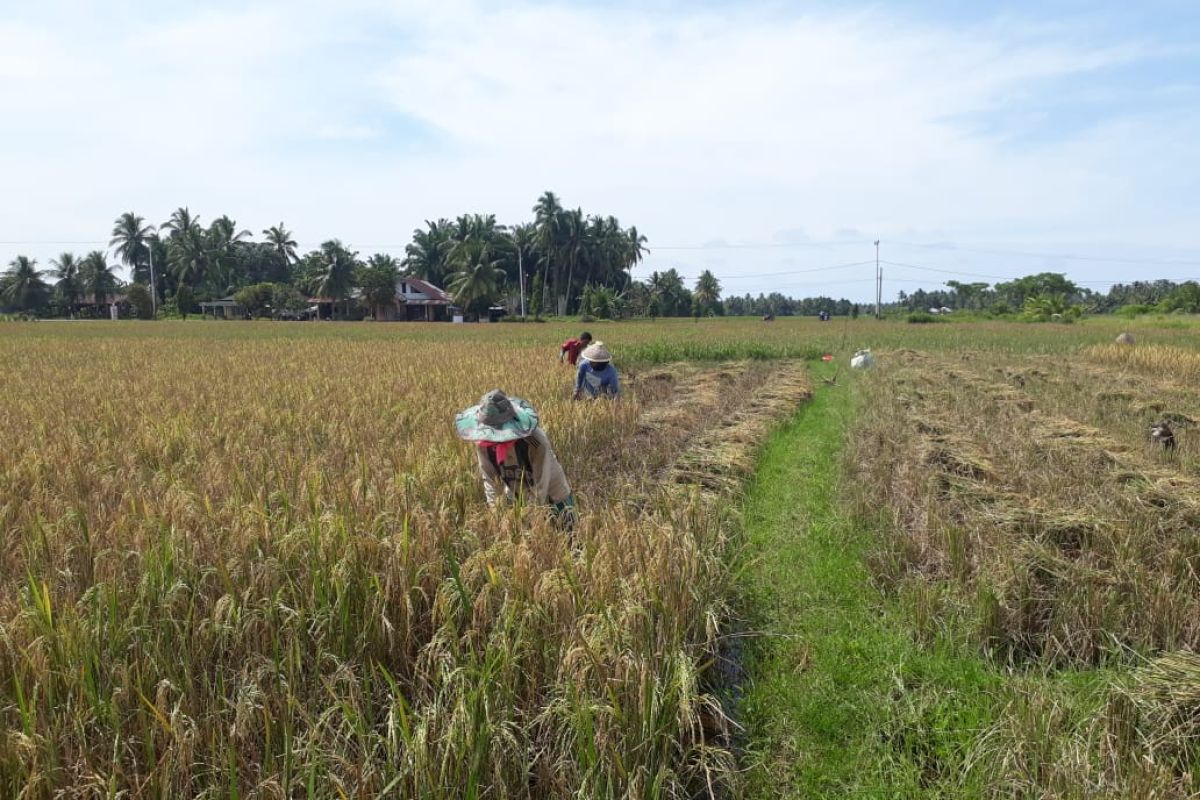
{"points": [[1134, 309], [140, 300], [256, 298], [286, 300], [921, 318], [1051, 308]]}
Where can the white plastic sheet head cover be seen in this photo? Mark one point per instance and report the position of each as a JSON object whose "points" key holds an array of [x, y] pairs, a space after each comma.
{"points": [[862, 359]]}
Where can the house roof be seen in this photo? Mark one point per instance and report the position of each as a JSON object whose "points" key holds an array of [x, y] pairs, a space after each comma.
{"points": [[90, 299], [436, 295], [433, 295]]}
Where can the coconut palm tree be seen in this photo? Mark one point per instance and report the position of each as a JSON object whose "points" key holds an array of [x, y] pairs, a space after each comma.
{"points": [[188, 257], [668, 293], [224, 231], [22, 286], [164, 283], [635, 248], [547, 223], [574, 234], [476, 282], [187, 249], [181, 223], [68, 280], [427, 257], [707, 292], [336, 279], [131, 239], [221, 241], [378, 281], [97, 277], [281, 241]]}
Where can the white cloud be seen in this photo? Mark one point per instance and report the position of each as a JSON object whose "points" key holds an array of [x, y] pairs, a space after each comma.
{"points": [[353, 133], [741, 125]]}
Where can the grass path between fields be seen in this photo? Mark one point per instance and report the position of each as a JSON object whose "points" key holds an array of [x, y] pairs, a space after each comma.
{"points": [[838, 699]]}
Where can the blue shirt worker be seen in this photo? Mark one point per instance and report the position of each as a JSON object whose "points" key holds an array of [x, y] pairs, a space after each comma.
{"points": [[597, 377]]}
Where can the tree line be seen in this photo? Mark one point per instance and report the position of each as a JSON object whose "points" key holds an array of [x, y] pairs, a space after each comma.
{"points": [[567, 262], [1049, 293], [567, 258]]}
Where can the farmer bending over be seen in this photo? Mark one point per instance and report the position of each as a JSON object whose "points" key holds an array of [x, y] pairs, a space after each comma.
{"points": [[597, 377], [572, 347], [515, 457]]}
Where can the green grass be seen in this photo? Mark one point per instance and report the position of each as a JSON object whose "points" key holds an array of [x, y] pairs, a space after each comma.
{"points": [[840, 700], [846, 693]]}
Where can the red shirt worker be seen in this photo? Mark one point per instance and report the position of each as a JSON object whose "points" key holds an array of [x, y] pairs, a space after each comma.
{"points": [[571, 348]]}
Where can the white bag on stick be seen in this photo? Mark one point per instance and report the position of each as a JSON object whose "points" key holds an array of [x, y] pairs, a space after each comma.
{"points": [[862, 360]]}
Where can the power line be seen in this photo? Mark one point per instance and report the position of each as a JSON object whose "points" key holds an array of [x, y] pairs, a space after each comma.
{"points": [[1009, 278], [794, 271], [31, 242], [1034, 254], [760, 245], [947, 271], [831, 283]]}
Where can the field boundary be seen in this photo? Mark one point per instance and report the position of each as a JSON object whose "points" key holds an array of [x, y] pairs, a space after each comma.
{"points": [[823, 705]]}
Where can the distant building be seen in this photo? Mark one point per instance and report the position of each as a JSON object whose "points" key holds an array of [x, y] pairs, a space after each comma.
{"points": [[417, 301], [89, 307], [225, 308]]}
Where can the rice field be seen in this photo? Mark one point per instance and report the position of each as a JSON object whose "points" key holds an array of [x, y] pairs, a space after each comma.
{"points": [[252, 559], [246, 564], [1027, 512]]}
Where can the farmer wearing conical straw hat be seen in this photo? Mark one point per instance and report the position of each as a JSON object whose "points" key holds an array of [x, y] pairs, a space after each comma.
{"points": [[515, 456], [597, 377]]}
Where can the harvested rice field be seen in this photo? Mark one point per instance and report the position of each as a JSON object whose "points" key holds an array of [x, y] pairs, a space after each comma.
{"points": [[1027, 517], [254, 560]]}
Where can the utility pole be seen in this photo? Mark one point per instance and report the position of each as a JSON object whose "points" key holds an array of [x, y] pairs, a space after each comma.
{"points": [[153, 293], [878, 284], [521, 273]]}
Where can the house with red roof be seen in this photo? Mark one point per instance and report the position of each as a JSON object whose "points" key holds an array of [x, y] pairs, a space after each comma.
{"points": [[421, 300]]}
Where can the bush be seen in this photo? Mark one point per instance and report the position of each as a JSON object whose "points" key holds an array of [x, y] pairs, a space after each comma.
{"points": [[287, 301], [1050, 308], [921, 318], [1134, 309], [256, 298], [140, 300]]}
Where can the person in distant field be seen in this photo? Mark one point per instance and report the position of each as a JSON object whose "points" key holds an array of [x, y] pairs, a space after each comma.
{"points": [[571, 348], [597, 377], [514, 453]]}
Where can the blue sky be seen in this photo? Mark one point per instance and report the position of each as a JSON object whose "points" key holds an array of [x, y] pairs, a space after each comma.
{"points": [[769, 142]]}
